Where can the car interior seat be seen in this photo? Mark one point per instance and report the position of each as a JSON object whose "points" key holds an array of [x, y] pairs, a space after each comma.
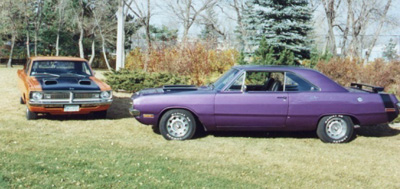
{"points": [[275, 86], [268, 84]]}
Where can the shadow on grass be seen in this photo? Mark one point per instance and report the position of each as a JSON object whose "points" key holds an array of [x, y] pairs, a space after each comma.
{"points": [[259, 134], [382, 130], [119, 109]]}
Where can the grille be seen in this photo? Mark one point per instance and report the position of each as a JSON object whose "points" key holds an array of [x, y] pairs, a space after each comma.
{"points": [[86, 95], [57, 95]]}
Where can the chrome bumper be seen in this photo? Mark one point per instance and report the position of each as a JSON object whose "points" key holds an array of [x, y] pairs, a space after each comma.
{"points": [[134, 112], [74, 102]]}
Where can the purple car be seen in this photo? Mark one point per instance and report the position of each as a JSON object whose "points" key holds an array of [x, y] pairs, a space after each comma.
{"points": [[265, 98]]}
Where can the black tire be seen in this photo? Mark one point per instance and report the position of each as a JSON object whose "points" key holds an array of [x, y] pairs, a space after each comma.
{"points": [[30, 115], [100, 114], [21, 100], [335, 129], [156, 129], [177, 124]]}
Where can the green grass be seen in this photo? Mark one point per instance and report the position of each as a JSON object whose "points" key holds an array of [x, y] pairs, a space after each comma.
{"points": [[119, 152]]}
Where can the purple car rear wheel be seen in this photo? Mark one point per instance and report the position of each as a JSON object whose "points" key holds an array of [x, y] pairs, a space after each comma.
{"points": [[335, 129], [177, 124]]}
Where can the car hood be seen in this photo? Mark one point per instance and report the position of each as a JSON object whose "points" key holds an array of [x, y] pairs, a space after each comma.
{"points": [[67, 83], [172, 89]]}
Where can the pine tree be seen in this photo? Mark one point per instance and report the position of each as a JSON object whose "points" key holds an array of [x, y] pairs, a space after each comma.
{"points": [[284, 23], [265, 54], [390, 51]]}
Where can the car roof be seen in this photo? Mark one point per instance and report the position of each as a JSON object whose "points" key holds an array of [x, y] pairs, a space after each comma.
{"points": [[59, 58], [315, 77]]}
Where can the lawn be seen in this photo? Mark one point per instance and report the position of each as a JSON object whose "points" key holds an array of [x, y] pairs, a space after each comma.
{"points": [[119, 152]]}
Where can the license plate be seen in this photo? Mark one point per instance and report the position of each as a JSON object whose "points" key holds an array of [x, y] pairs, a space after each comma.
{"points": [[71, 108]]}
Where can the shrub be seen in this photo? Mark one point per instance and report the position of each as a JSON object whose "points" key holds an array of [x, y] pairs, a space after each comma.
{"points": [[377, 73], [195, 60], [133, 81]]}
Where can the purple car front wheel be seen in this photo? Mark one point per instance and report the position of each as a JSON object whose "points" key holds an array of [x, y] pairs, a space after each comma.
{"points": [[177, 124]]}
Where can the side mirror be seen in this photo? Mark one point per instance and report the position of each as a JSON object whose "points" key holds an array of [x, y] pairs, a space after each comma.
{"points": [[244, 88]]}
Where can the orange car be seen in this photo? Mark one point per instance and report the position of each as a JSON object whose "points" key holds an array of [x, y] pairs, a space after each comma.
{"points": [[62, 86]]}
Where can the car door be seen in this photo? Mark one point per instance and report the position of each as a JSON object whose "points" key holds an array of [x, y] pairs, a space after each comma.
{"points": [[237, 107]]}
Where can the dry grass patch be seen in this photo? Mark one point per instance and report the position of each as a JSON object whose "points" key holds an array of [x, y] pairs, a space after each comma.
{"points": [[119, 152]]}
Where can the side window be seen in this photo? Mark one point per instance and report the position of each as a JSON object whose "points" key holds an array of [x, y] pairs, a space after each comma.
{"points": [[237, 84], [264, 81], [296, 83]]}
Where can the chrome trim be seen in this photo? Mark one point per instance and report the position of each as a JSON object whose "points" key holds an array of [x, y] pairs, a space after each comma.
{"points": [[71, 99], [100, 102]]}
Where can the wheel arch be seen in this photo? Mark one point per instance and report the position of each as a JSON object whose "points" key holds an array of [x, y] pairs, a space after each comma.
{"points": [[353, 118], [181, 108]]}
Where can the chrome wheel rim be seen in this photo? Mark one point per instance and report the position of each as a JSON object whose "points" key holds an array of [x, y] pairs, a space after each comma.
{"points": [[336, 128], [178, 125]]}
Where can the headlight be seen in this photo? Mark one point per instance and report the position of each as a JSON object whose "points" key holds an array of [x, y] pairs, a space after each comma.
{"points": [[398, 105], [37, 95], [106, 94]]}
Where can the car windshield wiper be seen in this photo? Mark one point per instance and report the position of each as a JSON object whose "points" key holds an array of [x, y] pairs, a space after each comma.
{"points": [[49, 74], [76, 74]]}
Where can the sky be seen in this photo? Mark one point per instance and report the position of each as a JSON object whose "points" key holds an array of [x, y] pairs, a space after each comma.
{"points": [[162, 15]]}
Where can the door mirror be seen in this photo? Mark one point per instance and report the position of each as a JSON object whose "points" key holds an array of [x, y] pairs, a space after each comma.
{"points": [[244, 88]]}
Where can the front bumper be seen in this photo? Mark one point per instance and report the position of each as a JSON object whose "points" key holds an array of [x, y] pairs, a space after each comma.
{"points": [[44, 103], [56, 107], [134, 112]]}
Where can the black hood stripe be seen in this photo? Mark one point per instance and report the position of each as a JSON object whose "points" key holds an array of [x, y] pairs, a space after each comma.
{"points": [[67, 83]]}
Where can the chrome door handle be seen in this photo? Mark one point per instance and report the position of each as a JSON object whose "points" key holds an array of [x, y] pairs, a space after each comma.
{"points": [[282, 97]]}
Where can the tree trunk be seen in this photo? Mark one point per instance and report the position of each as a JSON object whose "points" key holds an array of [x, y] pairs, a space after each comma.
{"points": [[12, 50], [81, 53], [38, 22], [81, 31], [148, 36], [28, 50], [346, 30], [120, 37], [105, 54], [186, 22], [35, 50], [330, 17], [93, 53], [57, 43], [103, 45], [377, 31]]}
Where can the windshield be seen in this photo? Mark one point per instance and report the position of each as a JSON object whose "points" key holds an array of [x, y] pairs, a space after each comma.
{"points": [[57, 68], [224, 79]]}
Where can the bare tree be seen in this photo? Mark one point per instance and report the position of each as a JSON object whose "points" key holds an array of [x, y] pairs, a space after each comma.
{"points": [[12, 20], [61, 13], [187, 12], [27, 21], [330, 7], [378, 30], [346, 29], [80, 20], [143, 12], [99, 12], [37, 22]]}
